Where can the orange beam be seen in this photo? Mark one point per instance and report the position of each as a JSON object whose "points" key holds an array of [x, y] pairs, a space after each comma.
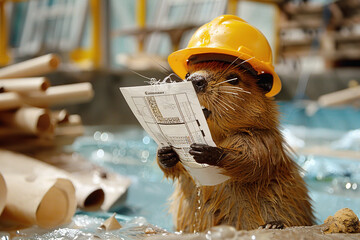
{"points": [[141, 20], [232, 7], [4, 57]]}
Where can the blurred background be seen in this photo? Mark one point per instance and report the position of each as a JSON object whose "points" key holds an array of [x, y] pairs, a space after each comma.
{"points": [[315, 43], [115, 43]]}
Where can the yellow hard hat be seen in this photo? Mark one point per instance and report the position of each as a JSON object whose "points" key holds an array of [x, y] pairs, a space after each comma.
{"points": [[233, 36]]}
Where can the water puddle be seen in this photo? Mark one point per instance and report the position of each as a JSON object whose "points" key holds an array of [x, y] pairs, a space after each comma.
{"points": [[85, 227]]}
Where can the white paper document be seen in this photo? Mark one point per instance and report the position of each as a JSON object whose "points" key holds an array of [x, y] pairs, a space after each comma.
{"points": [[171, 114]]}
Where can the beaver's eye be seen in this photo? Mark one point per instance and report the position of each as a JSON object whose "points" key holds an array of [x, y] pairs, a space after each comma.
{"points": [[233, 79], [187, 75]]}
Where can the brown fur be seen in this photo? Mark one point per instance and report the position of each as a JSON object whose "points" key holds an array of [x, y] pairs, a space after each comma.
{"points": [[265, 184]]}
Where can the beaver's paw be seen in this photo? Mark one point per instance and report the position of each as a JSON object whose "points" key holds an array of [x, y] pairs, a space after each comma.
{"points": [[273, 225], [167, 157], [203, 153]]}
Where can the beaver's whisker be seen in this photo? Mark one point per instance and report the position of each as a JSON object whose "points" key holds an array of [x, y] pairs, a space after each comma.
{"points": [[243, 62], [165, 70], [235, 95], [151, 79], [169, 77], [221, 100], [225, 81], [215, 106], [221, 91], [233, 101], [240, 98], [221, 105], [233, 88], [219, 112], [245, 68], [235, 66], [239, 89], [228, 67], [153, 82], [232, 108]]}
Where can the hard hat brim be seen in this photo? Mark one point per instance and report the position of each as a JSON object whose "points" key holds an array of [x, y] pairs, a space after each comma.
{"points": [[178, 63]]}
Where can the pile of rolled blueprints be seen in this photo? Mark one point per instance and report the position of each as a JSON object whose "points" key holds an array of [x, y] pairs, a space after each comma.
{"points": [[33, 191], [25, 97]]}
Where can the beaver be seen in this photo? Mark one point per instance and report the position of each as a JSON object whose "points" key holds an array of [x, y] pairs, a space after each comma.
{"points": [[265, 187]]}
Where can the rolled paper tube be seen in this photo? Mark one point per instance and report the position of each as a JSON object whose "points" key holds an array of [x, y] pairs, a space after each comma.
{"points": [[30, 68], [75, 119], [5, 131], [64, 140], [43, 200], [10, 100], [24, 84], [22, 164], [28, 120], [341, 97], [58, 95], [60, 116], [86, 173], [10, 136], [68, 130], [115, 187], [3, 193], [89, 195], [40, 193], [26, 143], [72, 120]]}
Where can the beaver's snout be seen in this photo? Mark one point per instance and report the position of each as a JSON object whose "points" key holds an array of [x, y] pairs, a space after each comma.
{"points": [[199, 83]]}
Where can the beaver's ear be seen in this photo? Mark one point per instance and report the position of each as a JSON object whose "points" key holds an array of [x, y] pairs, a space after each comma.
{"points": [[265, 82]]}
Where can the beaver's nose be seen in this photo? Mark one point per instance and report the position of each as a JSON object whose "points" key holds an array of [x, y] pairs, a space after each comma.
{"points": [[199, 83]]}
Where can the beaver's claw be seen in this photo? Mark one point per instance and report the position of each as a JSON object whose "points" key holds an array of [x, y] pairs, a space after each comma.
{"points": [[204, 153], [273, 225], [167, 157]]}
